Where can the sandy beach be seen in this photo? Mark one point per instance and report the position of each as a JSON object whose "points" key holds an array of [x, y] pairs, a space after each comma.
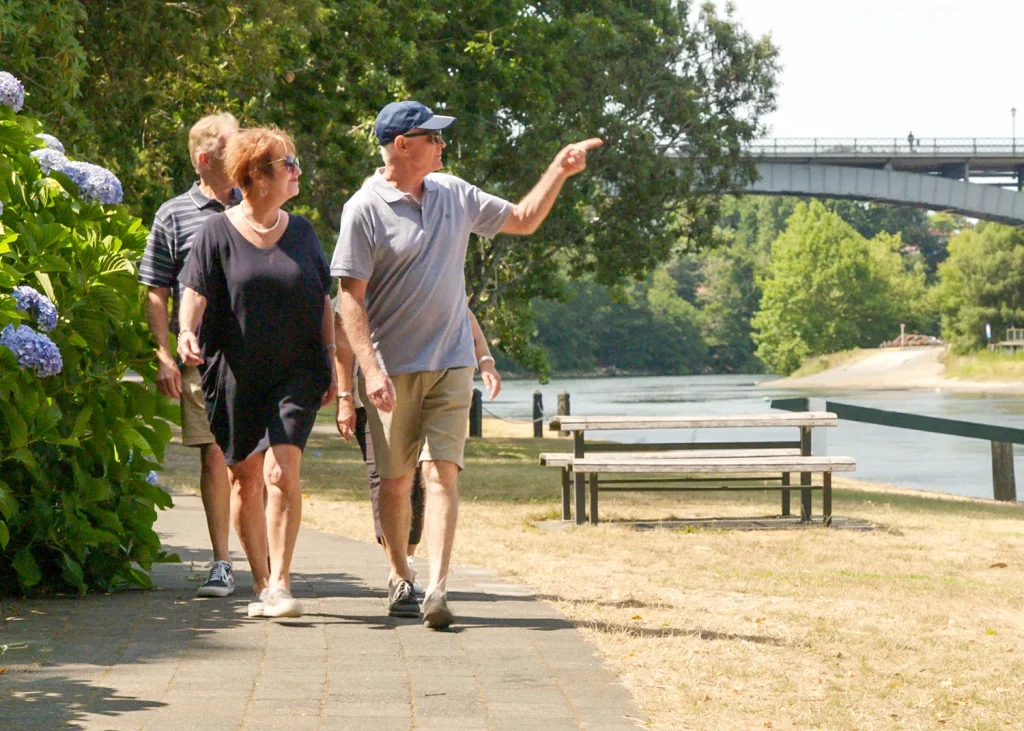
{"points": [[893, 369]]}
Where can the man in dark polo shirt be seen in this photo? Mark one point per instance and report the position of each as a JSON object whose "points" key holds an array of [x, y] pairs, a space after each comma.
{"points": [[170, 241], [400, 259]]}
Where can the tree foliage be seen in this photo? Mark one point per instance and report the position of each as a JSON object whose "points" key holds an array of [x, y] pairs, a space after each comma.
{"points": [[828, 289], [982, 282], [645, 328], [523, 77]]}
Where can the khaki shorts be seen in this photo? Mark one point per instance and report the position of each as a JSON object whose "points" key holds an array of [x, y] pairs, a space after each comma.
{"points": [[429, 423], [195, 429]]}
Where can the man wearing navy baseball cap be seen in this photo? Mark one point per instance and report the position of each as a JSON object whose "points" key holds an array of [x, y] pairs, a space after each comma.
{"points": [[400, 259], [398, 118]]}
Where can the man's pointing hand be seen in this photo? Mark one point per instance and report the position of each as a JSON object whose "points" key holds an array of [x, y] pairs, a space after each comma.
{"points": [[572, 159]]}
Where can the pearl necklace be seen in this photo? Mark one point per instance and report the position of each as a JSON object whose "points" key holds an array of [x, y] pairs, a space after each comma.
{"points": [[261, 229]]}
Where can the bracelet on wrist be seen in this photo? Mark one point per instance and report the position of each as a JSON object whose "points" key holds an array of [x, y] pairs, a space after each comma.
{"points": [[330, 346], [344, 395], [483, 359], [186, 330]]}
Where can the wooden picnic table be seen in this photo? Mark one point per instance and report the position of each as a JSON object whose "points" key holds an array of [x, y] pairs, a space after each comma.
{"points": [[736, 456]]}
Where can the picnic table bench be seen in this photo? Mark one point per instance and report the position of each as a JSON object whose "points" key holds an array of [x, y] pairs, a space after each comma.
{"points": [[696, 465]]}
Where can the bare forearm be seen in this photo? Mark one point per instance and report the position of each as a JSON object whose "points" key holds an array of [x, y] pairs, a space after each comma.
{"points": [[156, 315], [327, 328], [344, 357], [356, 324], [190, 313], [530, 212], [480, 348]]}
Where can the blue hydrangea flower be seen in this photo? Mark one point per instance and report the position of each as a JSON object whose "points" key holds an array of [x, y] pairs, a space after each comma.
{"points": [[38, 305], [52, 142], [33, 350], [94, 182], [49, 159], [151, 478], [12, 92]]}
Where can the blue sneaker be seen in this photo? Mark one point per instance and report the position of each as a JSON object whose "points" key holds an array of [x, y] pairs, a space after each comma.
{"points": [[221, 582]]}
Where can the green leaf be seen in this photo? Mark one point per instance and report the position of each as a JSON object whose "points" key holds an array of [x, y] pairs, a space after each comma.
{"points": [[8, 505], [5, 535], [72, 572], [141, 579], [16, 426], [26, 567], [81, 422], [26, 458]]}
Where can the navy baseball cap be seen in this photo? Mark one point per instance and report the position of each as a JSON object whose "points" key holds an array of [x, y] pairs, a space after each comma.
{"points": [[397, 118]]}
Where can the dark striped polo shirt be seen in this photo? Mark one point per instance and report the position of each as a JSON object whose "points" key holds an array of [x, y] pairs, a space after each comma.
{"points": [[170, 240]]}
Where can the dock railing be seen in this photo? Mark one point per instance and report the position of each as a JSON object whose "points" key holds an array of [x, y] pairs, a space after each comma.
{"points": [[1004, 487]]}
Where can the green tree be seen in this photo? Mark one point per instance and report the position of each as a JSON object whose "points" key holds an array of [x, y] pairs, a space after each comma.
{"points": [[643, 328], [981, 282], [914, 226], [39, 43], [651, 77], [830, 289]]}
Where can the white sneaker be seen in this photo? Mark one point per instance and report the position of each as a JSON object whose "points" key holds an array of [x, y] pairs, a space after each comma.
{"points": [[417, 589], [221, 582], [255, 608], [281, 603]]}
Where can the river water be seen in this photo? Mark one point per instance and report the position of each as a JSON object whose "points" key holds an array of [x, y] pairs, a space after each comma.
{"points": [[913, 459]]}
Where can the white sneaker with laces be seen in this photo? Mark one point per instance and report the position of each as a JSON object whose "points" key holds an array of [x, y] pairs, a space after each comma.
{"points": [[281, 603], [417, 589], [255, 608]]}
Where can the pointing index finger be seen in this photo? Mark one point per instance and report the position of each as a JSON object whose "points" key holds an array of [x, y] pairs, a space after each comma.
{"points": [[589, 144]]}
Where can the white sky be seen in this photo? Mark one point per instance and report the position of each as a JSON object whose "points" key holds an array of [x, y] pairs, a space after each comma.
{"points": [[883, 68]]}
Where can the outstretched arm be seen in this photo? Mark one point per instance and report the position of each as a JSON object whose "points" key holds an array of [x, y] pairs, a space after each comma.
{"points": [[530, 212]]}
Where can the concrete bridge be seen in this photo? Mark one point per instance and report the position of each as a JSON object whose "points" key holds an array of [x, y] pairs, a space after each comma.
{"points": [[976, 177]]}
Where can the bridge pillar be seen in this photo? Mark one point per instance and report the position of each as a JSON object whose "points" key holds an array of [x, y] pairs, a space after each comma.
{"points": [[1020, 177], [956, 170]]}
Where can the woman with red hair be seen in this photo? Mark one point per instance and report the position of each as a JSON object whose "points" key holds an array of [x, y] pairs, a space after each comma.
{"points": [[256, 317]]}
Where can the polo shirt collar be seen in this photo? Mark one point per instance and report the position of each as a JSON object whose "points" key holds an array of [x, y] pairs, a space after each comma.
{"points": [[201, 201], [390, 193]]}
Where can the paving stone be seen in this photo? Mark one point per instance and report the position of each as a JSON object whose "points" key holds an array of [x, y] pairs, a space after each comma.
{"points": [[165, 661]]}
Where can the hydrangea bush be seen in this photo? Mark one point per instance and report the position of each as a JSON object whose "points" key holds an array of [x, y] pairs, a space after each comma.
{"points": [[78, 443]]}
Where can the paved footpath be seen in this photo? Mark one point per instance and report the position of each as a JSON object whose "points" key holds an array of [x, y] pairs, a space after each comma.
{"points": [[160, 660]]}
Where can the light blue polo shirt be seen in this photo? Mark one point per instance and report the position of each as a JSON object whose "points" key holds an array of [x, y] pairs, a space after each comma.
{"points": [[413, 258]]}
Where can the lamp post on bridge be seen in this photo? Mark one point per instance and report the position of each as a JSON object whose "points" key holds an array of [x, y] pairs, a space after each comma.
{"points": [[1013, 121]]}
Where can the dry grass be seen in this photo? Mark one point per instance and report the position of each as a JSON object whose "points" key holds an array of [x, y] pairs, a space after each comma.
{"points": [[819, 363], [916, 625]]}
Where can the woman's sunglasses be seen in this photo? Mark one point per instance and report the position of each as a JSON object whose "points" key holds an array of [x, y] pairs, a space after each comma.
{"points": [[291, 163]]}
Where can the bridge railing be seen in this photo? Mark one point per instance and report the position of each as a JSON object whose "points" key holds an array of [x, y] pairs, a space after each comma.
{"points": [[876, 146]]}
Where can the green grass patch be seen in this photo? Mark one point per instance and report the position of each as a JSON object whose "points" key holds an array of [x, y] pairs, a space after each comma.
{"points": [[985, 365]]}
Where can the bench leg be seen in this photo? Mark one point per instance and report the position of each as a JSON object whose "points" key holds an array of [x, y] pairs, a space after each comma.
{"points": [[785, 496], [566, 509], [593, 498], [805, 498], [581, 497], [826, 498]]}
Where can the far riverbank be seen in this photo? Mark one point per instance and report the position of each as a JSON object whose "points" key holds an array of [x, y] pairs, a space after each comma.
{"points": [[889, 369]]}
